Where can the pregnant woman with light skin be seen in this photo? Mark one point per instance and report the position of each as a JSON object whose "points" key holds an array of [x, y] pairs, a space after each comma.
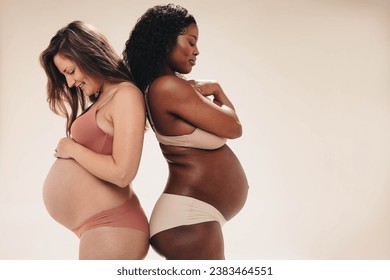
{"points": [[88, 188]]}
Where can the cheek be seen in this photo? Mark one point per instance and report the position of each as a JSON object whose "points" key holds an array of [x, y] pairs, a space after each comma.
{"points": [[178, 60], [186, 51], [91, 82], [182, 49]]}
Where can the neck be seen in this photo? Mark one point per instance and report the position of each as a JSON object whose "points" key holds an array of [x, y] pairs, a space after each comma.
{"points": [[166, 70], [106, 88]]}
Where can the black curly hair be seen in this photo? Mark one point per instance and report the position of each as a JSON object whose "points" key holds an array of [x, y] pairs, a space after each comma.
{"points": [[151, 39]]}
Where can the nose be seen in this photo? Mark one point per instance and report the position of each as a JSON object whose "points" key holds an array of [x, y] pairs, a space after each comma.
{"points": [[196, 51], [70, 81]]}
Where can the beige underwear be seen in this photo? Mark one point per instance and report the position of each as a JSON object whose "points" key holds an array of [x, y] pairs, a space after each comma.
{"points": [[173, 210]]}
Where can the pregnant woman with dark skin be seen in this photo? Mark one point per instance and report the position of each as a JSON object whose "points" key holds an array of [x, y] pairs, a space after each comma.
{"points": [[192, 120]]}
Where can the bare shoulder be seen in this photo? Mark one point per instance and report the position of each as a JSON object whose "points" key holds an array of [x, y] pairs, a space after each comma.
{"points": [[127, 87], [167, 81], [126, 96], [126, 92], [171, 86]]}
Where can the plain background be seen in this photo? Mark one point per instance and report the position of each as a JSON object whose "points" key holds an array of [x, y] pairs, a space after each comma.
{"points": [[310, 82]]}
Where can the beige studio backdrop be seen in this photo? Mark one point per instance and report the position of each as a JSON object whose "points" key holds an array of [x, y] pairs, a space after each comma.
{"points": [[310, 82]]}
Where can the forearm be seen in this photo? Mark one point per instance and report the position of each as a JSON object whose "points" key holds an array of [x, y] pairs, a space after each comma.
{"points": [[214, 89], [103, 166], [221, 99], [223, 120]]}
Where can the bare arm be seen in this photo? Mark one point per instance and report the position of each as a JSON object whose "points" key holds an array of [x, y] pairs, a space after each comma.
{"points": [[188, 101], [128, 120], [214, 89]]}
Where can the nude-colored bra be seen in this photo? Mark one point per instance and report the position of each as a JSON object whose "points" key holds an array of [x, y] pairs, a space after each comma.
{"points": [[199, 138]]}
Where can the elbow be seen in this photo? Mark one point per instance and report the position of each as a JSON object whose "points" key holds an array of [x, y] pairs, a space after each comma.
{"points": [[235, 131], [123, 183], [124, 179]]}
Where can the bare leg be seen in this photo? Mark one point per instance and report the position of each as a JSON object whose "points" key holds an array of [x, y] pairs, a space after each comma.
{"points": [[113, 243], [202, 241]]}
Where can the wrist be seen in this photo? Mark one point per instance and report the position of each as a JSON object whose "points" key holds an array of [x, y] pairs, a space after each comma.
{"points": [[218, 94], [75, 150]]}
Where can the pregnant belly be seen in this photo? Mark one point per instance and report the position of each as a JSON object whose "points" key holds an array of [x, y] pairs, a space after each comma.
{"points": [[215, 177], [71, 194]]}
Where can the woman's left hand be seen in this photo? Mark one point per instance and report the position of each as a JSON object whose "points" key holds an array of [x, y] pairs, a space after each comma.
{"points": [[206, 87], [213, 89], [64, 148]]}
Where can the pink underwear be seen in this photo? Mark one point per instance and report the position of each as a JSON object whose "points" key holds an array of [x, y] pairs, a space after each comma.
{"points": [[129, 215]]}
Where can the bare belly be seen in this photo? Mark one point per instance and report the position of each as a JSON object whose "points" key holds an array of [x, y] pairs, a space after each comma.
{"points": [[71, 194], [214, 176]]}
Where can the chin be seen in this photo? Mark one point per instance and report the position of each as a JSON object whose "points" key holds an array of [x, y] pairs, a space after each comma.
{"points": [[186, 71], [88, 93]]}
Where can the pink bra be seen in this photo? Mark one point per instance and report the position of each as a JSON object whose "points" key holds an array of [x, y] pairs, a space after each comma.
{"points": [[199, 138], [86, 132]]}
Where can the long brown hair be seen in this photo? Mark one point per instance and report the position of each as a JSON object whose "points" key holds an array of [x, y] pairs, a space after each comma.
{"points": [[90, 50]]}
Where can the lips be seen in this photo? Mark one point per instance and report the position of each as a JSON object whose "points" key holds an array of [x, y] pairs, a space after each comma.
{"points": [[80, 85], [192, 61]]}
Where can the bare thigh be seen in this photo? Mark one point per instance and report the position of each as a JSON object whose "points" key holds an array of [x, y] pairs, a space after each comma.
{"points": [[113, 243], [202, 241]]}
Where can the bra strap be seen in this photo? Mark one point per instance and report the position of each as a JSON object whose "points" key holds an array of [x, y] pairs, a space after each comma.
{"points": [[148, 114]]}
